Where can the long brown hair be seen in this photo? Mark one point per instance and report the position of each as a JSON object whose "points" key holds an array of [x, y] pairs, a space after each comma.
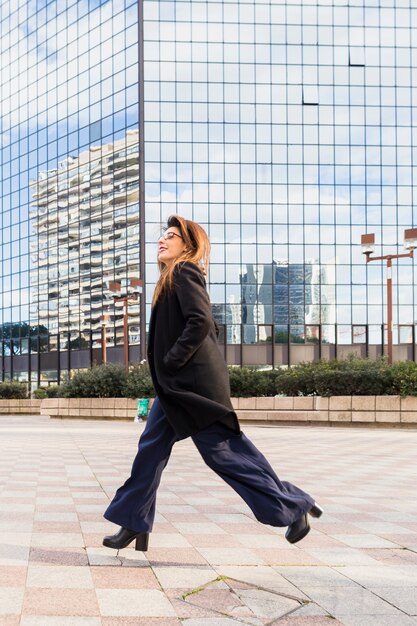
{"points": [[197, 251]]}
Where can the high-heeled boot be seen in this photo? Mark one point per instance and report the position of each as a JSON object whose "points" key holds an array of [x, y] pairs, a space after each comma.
{"points": [[301, 527], [124, 537]]}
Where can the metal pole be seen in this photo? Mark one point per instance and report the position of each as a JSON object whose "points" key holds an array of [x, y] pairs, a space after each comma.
{"points": [[125, 334], [142, 264], [58, 339], [104, 343], [389, 309]]}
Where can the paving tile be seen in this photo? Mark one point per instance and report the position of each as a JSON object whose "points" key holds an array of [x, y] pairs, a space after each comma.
{"points": [[270, 541], [349, 600], [56, 501], [287, 556], [310, 610], [376, 620], [128, 602], [382, 528], [320, 540], [186, 610], [53, 516], [318, 576], [263, 604], [404, 599], [10, 620], [57, 540], [395, 576], [59, 576], [124, 578], [97, 527], [140, 621], [114, 558], [308, 620], [261, 576], [14, 554], [11, 599], [404, 540], [59, 620], [184, 577], [58, 556], [231, 556], [365, 541], [213, 541], [14, 508], [12, 576], [394, 556], [341, 556], [212, 621], [171, 540], [74, 602], [231, 518], [198, 528], [176, 556], [56, 527], [19, 525], [83, 510]]}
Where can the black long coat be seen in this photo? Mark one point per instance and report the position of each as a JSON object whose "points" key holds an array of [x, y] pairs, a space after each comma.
{"points": [[189, 373]]}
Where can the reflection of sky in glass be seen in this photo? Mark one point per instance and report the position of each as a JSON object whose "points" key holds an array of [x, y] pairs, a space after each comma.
{"points": [[69, 80], [296, 117]]}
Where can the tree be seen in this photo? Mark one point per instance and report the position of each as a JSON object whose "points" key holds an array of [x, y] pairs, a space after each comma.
{"points": [[13, 332]]}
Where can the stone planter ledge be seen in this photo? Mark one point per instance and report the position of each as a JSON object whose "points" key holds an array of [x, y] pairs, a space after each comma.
{"points": [[312, 409]]}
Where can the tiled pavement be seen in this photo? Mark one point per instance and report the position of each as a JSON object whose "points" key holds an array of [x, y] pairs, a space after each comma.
{"points": [[209, 563]]}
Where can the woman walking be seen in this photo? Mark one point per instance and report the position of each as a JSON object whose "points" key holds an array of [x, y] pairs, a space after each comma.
{"points": [[191, 382]]}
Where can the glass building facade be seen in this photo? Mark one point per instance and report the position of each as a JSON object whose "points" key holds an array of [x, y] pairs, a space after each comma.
{"points": [[287, 129], [69, 182]]}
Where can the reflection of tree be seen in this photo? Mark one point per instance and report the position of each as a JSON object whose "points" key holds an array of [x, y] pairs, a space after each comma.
{"points": [[281, 336], [79, 343], [34, 336]]}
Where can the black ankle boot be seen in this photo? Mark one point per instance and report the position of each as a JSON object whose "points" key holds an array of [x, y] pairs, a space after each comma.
{"points": [[301, 527], [125, 536], [316, 510], [298, 529]]}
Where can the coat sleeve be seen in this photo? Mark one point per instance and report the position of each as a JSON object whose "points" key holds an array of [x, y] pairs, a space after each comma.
{"points": [[194, 302]]}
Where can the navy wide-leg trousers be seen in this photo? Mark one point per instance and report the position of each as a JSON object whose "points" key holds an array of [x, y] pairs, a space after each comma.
{"points": [[233, 457]]}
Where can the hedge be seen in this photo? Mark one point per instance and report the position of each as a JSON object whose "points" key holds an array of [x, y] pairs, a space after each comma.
{"points": [[13, 389], [351, 376], [109, 381]]}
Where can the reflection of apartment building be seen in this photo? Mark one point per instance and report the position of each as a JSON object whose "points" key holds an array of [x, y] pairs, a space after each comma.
{"points": [[296, 293], [256, 302], [85, 217], [291, 296]]}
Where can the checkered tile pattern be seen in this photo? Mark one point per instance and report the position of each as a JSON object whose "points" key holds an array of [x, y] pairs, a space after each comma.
{"points": [[210, 563]]}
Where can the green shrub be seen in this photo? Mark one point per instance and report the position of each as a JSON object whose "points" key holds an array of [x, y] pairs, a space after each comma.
{"points": [[404, 375], [352, 383], [248, 381], [11, 389], [296, 381], [109, 381], [53, 391], [101, 381], [40, 393], [139, 382], [350, 376]]}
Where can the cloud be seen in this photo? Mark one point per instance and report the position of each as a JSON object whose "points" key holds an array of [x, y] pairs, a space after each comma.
{"points": [[48, 64]]}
